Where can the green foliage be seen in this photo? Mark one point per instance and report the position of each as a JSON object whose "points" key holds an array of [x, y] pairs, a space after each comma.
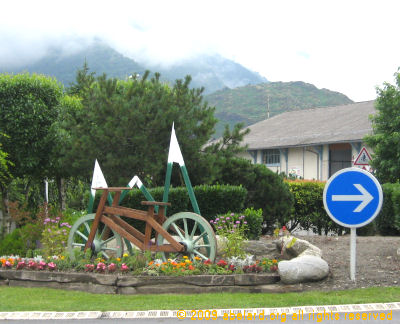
{"points": [[28, 108], [231, 228], [126, 125], [247, 104], [5, 174], [218, 199], [386, 133], [308, 210], [266, 189], [12, 244], [54, 236], [254, 219], [21, 240], [388, 220]]}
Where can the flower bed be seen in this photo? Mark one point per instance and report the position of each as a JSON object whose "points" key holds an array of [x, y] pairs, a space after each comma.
{"points": [[138, 264]]}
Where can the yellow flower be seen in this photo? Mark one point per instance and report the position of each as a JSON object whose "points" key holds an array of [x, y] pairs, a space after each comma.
{"points": [[125, 255], [188, 261], [197, 258], [62, 257], [185, 257]]}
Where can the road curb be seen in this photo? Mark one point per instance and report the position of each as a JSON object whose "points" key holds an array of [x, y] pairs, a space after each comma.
{"points": [[188, 313]]}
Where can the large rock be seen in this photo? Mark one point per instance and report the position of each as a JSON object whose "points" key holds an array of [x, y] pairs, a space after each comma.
{"points": [[302, 269], [292, 247]]}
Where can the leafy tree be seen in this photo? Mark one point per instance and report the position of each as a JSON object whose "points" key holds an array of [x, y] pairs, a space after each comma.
{"points": [[126, 125], [385, 140], [28, 108]]}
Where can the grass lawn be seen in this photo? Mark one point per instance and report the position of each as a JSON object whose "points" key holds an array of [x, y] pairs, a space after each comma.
{"points": [[41, 299]]}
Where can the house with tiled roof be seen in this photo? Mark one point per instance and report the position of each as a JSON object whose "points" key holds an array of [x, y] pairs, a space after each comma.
{"points": [[311, 143]]}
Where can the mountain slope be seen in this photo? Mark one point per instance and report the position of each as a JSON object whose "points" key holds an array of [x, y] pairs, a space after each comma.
{"points": [[249, 104], [213, 72]]}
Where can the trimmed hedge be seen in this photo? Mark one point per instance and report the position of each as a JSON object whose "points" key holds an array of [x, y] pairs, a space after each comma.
{"points": [[388, 220], [309, 211]]}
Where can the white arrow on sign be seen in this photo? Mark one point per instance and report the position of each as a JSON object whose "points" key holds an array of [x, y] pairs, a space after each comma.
{"points": [[365, 198]]}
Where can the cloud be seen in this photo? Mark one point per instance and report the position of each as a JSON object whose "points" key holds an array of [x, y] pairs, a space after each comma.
{"points": [[348, 46]]}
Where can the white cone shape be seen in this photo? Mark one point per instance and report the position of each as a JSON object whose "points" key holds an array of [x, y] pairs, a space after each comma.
{"points": [[135, 181], [98, 180], [175, 154]]}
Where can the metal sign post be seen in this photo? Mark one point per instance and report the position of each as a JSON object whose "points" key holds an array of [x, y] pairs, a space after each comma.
{"points": [[352, 198]]}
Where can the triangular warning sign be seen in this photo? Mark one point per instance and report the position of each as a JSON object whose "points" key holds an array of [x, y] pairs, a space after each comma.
{"points": [[363, 157]]}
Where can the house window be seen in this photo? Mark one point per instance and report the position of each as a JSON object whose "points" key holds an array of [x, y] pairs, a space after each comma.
{"points": [[272, 157]]}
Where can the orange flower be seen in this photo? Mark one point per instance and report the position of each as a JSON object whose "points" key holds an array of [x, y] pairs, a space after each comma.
{"points": [[274, 261], [191, 267], [151, 262]]}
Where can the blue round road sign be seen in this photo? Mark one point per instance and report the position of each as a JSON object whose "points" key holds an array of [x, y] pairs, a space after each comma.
{"points": [[352, 197]]}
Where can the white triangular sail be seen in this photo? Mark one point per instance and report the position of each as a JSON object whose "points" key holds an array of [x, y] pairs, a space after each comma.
{"points": [[98, 180], [175, 154]]}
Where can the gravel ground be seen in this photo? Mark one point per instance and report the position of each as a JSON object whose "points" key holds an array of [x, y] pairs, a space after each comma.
{"points": [[377, 262]]}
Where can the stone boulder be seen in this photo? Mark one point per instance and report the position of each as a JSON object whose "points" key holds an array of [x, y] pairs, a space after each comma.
{"points": [[302, 269], [292, 247], [304, 261]]}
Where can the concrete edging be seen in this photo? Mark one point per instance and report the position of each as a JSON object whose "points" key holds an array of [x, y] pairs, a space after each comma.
{"points": [[126, 284]]}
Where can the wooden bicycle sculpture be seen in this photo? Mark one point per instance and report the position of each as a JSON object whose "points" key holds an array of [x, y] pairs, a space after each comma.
{"points": [[184, 233]]}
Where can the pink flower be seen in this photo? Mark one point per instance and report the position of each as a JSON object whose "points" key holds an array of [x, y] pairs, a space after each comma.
{"points": [[21, 265], [8, 264], [112, 267], [52, 266], [124, 267], [32, 265], [89, 267], [101, 267], [42, 265]]}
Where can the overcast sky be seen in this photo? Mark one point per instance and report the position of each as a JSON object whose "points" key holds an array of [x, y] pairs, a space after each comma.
{"points": [[349, 46]]}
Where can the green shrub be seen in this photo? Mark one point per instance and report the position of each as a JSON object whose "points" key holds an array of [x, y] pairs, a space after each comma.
{"points": [[254, 219], [12, 244], [388, 220], [309, 211], [266, 189]]}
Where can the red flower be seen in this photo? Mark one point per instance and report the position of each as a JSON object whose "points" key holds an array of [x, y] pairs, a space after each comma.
{"points": [[231, 267], [222, 263], [208, 261], [283, 228]]}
